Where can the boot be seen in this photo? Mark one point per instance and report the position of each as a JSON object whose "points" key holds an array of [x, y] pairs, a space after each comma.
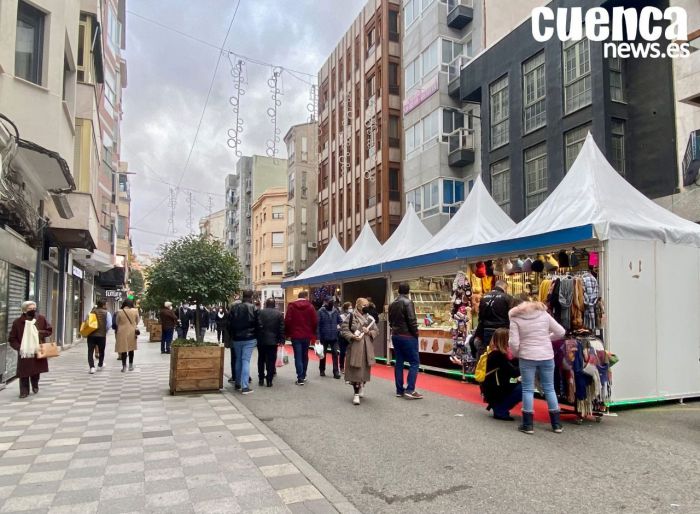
{"points": [[526, 425], [555, 419]]}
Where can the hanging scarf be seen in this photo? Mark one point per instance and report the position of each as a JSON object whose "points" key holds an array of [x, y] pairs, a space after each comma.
{"points": [[566, 296], [30, 340]]}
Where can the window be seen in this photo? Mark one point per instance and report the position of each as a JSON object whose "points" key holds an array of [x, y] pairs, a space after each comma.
{"points": [[304, 149], [290, 186], [110, 91], [431, 126], [411, 11], [535, 176], [304, 189], [431, 198], [85, 63], [291, 151], [577, 75], [303, 216], [451, 121], [534, 91], [430, 58], [413, 138], [277, 212], [394, 189], [29, 43], [499, 113], [617, 90], [450, 50], [369, 92], [394, 78], [121, 227], [290, 255], [290, 216], [393, 25], [414, 197], [114, 30], [277, 268], [573, 141], [500, 184], [277, 239], [618, 145], [452, 195], [394, 136], [412, 73], [371, 36]]}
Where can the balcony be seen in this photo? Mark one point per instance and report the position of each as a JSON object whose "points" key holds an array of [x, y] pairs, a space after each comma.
{"points": [[460, 148], [80, 231], [691, 161], [459, 13], [454, 72]]}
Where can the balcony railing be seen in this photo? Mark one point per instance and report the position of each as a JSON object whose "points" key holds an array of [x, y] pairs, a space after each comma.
{"points": [[460, 145], [691, 161], [454, 69]]}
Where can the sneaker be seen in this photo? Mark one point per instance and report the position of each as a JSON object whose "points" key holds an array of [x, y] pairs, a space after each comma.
{"points": [[362, 391], [337, 377], [92, 371], [237, 387], [299, 383], [131, 367], [399, 395], [415, 395], [247, 390], [356, 399], [100, 368]]}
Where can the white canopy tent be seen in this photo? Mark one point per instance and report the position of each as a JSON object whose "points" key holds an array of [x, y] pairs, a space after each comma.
{"points": [[362, 252], [410, 235], [327, 261]]}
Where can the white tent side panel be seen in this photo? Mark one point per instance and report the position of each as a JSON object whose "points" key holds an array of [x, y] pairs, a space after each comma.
{"points": [[678, 320], [631, 313]]}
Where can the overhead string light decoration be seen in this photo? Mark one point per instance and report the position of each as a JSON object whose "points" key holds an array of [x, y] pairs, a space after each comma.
{"points": [[371, 126], [312, 106], [240, 81], [172, 204], [190, 219], [344, 157], [274, 83]]}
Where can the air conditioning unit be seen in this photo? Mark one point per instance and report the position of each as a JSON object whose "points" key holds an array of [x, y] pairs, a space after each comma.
{"points": [[312, 245]]}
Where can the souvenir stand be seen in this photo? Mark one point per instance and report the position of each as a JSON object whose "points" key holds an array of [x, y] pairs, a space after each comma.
{"points": [[330, 258]]}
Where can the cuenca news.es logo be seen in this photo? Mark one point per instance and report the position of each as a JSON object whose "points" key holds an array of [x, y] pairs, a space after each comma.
{"points": [[626, 32]]}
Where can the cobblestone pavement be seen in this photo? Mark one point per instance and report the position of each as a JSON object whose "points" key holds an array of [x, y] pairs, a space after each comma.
{"points": [[118, 442]]}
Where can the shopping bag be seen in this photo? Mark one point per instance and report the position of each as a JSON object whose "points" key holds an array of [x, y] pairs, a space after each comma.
{"points": [[281, 354], [88, 326], [47, 350], [320, 350], [286, 359]]}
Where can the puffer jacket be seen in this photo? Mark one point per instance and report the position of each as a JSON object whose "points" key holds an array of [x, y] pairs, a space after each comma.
{"points": [[402, 317], [243, 322], [328, 322], [532, 331], [300, 320]]}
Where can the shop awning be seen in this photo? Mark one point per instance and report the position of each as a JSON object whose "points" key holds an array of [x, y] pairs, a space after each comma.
{"points": [[594, 193]]}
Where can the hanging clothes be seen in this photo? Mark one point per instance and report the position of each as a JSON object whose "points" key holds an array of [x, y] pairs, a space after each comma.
{"points": [[591, 293], [566, 298], [554, 300], [577, 306], [543, 292]]}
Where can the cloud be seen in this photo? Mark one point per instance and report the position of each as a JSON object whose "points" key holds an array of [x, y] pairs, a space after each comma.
{"points": [[169, 76]]}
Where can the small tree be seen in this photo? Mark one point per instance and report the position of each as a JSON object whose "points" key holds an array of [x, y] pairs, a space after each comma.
{"points": [[136, 282], [194, 268]]}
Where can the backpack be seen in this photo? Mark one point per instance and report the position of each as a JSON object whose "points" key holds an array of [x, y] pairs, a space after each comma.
{"points": [[480, 371]]}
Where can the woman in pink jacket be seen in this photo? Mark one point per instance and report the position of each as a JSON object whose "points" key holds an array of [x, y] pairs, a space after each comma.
{"points": [[532, 331]]}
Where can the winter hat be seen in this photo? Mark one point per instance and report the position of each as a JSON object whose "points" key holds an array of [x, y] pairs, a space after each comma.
{"points": [[509, 268], [518, 266], [480, 269], [550, 263], [538, 265], [563, 259], [527, 265], [573, 260], [499, 266], [593, 259], [489, 269]]}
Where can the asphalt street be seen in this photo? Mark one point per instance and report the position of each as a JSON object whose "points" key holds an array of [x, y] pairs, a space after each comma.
{"points": [[440, 454]]}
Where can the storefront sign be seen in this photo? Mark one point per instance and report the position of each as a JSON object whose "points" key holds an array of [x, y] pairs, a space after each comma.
{"points": [[114, 293], [77, 272], [421, 96]]}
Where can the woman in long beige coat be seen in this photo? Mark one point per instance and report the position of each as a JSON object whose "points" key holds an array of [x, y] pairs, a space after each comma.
{"points": [[127, 323], [359, 329]]}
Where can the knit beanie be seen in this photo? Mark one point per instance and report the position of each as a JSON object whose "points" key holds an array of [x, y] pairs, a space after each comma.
{"points": [[518, 266], [489, 269], [563, 259], [527, 265], [538, 265], [480, 270]]}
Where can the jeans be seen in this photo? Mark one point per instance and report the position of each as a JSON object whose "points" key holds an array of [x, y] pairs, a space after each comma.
{"points": [[244, 352], [267, 355], [334, 356], [166, 339], [406, 349], [233, 362], [301, 357], [343, 347], [100, 343], [528, 368], [503, 409]]}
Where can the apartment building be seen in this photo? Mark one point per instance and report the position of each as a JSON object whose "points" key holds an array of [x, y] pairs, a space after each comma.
{"points": [[539, 100], [359, 174], [214, 225], [254, 175], [441, 138], [269, 244], [302, 192]]}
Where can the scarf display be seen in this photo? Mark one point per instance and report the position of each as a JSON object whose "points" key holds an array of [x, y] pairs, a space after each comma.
{"points": [[30, 340], [566, 298]]}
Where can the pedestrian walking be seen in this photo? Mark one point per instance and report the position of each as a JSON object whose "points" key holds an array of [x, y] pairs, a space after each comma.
{"points": [[184, 316], [202, 313], [328, 323], [345, 311], [28, 331], [271, 336], [98, 337], [228, 342], [360, 329], [532, 331], [244, 327], [501, 388], [493, 314], [404, 337], [300, 324], [220, 323], [168, 322], [127, 333], [212, 318]]}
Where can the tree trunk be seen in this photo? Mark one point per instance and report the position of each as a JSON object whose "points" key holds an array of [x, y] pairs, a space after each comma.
{"points": [[197, 321]]}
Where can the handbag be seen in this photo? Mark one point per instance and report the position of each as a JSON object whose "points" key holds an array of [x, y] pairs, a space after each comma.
{"points": [[319, 350], [281, 354], [47, 350], [88, 326], [137, 332]]}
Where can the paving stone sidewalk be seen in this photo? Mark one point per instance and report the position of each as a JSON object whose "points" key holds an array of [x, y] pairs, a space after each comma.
{"points": [[117, 442]]}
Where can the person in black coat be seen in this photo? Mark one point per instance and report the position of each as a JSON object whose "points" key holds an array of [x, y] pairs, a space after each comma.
{"points": [[502, 389], [271, 335]]}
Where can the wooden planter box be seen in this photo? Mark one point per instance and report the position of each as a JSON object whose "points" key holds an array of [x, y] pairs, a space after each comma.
{"points": [[150, 323], [196, 369], [155, 332]]}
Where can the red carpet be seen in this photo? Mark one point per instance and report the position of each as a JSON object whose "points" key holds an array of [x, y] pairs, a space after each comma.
{"points": [[466, 392]]}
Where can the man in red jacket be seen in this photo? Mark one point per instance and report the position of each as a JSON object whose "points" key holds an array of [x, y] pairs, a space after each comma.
{"points": [[300, 324]]}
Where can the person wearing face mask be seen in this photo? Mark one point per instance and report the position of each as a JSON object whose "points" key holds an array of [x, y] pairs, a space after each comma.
{"points": [[345, 312], [360, 329], [328, 322], [28, 331], [220, 323]]}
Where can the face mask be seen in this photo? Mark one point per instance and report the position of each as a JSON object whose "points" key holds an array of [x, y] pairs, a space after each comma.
{"points": [[350, 310], [365, 310], [31, 314]]}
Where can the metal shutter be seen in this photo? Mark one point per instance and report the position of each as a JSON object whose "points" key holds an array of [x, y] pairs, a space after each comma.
{"points": [[18, 282]]}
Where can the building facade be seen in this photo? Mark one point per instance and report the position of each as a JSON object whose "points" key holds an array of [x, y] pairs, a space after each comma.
{"points": [[539, 100], [302, 192], [359, 142], [269, 243], [214, 225], [441, 138], [254, 175]]}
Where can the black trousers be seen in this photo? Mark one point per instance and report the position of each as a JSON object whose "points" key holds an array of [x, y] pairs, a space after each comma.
{"points": [[99, 342], [219, 333], [131, 358], [343, 344], [267, 355], [335, 350], [24, 383]]}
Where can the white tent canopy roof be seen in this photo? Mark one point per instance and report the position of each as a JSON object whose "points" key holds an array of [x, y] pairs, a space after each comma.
{"points": [[593, 193], [479, 220], [362, 252], [410, 235], [327, 261]]}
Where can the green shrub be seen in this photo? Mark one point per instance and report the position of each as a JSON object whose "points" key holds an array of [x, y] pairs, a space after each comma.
{"points": [[191, 342]]}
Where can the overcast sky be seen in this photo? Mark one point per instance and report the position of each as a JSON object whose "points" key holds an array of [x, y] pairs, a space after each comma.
{"points": [[168, 79]]}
